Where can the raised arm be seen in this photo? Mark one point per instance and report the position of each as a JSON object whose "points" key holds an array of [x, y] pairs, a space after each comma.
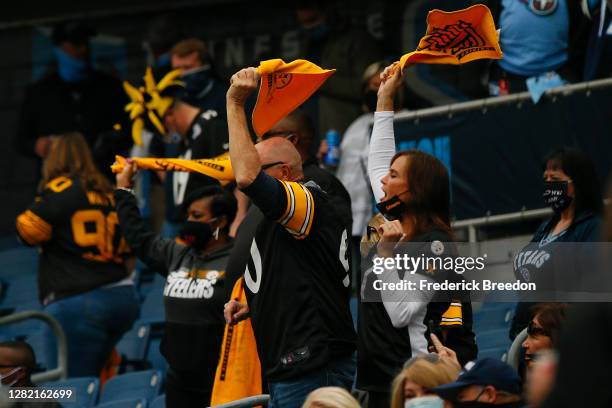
{"points": [[244, 157], [382, 143], [152, 249]]}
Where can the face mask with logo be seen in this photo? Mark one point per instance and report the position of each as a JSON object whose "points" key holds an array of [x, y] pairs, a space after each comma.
{"points": [[197, 81], [555, 195], [370, 98], [197, 234], [393, 208], [70, 69]]}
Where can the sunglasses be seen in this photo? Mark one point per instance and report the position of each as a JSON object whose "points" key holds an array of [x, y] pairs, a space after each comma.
{"points": [[287, 134], [268, 165], [533, 330]]}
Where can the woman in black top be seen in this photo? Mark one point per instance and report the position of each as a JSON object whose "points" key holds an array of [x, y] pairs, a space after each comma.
{"points": [[413, 191], [196, 287], [572, 189]]}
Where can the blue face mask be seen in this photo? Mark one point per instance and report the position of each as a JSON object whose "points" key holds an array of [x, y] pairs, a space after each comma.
{"points": [[318, 32], [70, 69], [197, 82]]}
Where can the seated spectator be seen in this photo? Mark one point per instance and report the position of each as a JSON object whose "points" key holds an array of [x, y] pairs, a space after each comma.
{"points": [[486, 382], [419, 376], [538, 37], [540, 378], [543, 329], [204, 89], [84, 269], [17, 362], [330, 397]]}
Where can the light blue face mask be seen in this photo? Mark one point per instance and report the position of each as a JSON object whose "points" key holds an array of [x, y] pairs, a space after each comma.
{"points": [[70, 69], [430, 401]]}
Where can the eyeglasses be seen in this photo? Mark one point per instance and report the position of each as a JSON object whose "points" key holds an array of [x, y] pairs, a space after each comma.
{"points": [[268, 165], [533, 330], [287, 134]]}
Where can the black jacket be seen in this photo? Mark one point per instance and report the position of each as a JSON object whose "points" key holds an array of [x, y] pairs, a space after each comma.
{"points": [[194, 295], [52, 106]]}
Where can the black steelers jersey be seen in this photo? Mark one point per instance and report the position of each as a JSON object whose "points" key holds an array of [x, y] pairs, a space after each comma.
{"points": [[79, 236], [293, 254]]}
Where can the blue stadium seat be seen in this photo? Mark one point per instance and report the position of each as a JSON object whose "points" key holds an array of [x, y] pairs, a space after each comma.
{"points": [[142, 384], [155, 357], [152, 309], [133, 345], [20, 289], [18, 261], [159, 402], [499, 353], [128, 403], [85, 388], [494, 316], [493, 339]]}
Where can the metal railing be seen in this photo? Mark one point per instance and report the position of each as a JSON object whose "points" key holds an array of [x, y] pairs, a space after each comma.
{"points": [[473, 223], [249, 402], [58, 373], [518, 98]]}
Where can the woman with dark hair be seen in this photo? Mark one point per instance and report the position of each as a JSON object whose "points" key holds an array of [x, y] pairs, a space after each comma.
{"points": [[543, 329], [83, 280], [196, 288], [413, 194], [572, 190]]}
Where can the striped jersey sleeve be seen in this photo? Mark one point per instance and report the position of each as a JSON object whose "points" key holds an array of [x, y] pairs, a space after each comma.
{"points": [[298, 214]]}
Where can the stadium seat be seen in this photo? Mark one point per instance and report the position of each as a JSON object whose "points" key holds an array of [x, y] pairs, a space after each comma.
{"points": [[18, 261], [152, 309], [142, 384], [20, 289], [493, 339], [155, 357], [133, 345], [494, 316], [159, 402], [85, 388], [500, 353], [127, 403]]}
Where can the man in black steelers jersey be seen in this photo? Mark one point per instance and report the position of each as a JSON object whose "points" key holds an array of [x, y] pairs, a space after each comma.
{"points": [[294, 257]]}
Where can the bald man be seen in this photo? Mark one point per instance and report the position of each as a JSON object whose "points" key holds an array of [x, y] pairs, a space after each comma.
{"points": [[298, 129], [292, 250], [17, 361]]}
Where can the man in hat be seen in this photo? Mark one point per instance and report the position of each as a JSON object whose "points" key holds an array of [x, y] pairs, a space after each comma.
{"points": [[71, 98], [486, 382]]}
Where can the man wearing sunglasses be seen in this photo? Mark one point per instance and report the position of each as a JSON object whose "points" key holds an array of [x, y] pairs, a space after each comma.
{"points": [[293, 251], [488, 382], [298, 129]]}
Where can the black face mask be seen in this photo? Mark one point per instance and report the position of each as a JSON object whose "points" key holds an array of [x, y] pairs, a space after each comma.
{"points": [[393, 208], [555, 195], [473, 404], [197, 83], [196, 234], [370, 98]]}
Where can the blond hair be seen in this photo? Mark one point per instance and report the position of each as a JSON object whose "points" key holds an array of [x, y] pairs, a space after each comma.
{"points": [[330, 397], [70, 156], [424, 372]]}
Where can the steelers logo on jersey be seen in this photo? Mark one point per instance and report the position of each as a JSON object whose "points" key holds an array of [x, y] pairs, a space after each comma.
{"points": [[543, 7]]}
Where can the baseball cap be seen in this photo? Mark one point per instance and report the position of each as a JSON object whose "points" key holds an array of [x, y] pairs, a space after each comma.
{"points": [[487, 371]]}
